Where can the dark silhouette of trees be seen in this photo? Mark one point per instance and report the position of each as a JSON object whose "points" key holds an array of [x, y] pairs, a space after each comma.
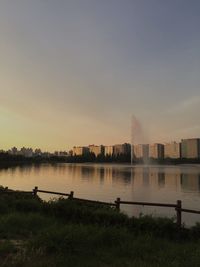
{"points": [[101, 158], [7, 159]]}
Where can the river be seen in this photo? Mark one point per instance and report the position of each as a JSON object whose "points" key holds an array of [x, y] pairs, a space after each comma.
{"points": [[106, 182]]}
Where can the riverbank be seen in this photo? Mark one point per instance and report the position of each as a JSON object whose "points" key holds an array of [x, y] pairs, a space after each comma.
{"points": [[35, 233], [7, 160]]}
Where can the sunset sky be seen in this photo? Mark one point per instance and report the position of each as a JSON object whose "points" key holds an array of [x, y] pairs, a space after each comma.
{"points": [[73, 72]]}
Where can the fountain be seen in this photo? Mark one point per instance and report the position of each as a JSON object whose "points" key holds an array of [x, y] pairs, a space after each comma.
{"points": [[137, 135]]}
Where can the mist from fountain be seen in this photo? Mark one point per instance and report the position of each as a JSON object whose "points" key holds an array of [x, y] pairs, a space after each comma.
{"points": [[138, 136]]}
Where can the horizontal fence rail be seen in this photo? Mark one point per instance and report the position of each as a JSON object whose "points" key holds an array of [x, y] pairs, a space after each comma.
{"points": [[71, 195], [36, 190], [190, 211], [177, 206], [148, 204], [53, 193]]}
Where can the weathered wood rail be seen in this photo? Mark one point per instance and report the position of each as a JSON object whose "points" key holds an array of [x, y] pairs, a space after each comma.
{"points": [[71, 196], [177, 206]]}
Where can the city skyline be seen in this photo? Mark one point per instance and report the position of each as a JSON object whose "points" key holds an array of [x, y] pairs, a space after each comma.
{"points": [[170, 149], [72, 72]]}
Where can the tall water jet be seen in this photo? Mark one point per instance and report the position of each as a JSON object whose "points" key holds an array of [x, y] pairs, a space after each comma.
{"points": [[137, 135]]}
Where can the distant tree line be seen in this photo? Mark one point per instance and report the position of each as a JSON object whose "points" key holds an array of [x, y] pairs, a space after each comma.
{"points": [[7, 159], [91, 157], [126, 158]]}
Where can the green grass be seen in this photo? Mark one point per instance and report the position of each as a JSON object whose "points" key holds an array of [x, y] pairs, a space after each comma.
{"points": [[34, 233], [80, 245]]}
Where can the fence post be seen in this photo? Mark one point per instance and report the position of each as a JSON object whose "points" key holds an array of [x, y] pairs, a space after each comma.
{"points": [[71, 195], [117, 202], [35, 191], [178, 213]]}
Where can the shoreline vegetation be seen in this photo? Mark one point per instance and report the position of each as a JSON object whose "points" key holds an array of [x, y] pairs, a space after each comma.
{"points": [[65, 232], [7, 160]]}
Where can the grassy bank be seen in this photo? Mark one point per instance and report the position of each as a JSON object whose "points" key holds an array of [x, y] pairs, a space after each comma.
{"points": [[70, 233]]}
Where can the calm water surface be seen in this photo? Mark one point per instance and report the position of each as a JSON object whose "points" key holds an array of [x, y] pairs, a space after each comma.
{"points": [[106, 182]]}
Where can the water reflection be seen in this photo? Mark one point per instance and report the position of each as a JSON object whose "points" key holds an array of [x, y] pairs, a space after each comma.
{"points": [[178, 178], [190, 182], [109, 181], [161, 179]]}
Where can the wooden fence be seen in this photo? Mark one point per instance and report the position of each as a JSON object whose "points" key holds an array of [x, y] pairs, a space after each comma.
{"points": [[177, 206], [71, 196]]}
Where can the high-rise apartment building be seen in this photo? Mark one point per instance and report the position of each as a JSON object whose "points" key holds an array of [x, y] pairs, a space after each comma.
{"points": [[190, 148], [141, 151], [108, 150], [156, 151], [172, 150], [80, 150], [97, 150], [122, 149]]}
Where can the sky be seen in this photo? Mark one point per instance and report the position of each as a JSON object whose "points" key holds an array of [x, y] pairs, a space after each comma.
{"points": [[74, 72]]}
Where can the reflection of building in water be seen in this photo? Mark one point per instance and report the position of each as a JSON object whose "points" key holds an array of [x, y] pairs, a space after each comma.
{"points": [[109, 150], [108, 173], [121, 176], [156, 151], [141, 188], [154, 174], [190, 182], [157, 177], [172, 178], [121, 149], [161, 179], [172, 150], [97, 150], [190, 148], [83, 172], [146, 176], [87, 172], [80, 150], [141, 151], [102, 175]]}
